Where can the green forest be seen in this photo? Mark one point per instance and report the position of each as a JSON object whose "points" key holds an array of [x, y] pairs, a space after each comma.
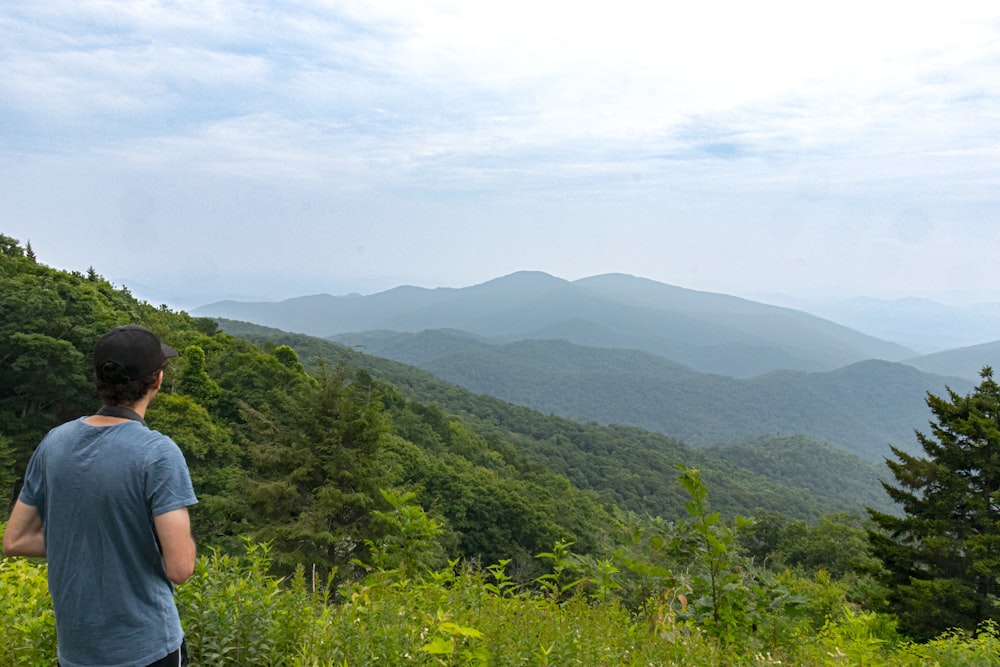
{"points": [[354, 510]]}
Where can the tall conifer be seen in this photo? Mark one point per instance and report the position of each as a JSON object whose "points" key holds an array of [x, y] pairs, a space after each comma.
{"points": [[942, 558]]}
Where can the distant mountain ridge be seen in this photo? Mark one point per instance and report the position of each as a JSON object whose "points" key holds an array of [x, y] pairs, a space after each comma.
{"points": [[708, 332], [922, 324], [965, 362]]}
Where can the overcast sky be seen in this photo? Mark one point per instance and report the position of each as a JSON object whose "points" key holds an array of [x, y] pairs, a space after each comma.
{"points": [[202, 149]]}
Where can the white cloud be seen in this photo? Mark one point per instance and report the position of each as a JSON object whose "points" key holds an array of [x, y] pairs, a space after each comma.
{"points": [[577, 138]]}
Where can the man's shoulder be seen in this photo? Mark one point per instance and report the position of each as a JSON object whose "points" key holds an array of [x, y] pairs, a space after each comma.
{"points": [[161, 447], [161, 439], [66, 429], [71, 425]]}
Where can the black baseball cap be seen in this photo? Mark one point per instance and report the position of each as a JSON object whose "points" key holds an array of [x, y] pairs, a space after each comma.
{"points": [[135, 349]]}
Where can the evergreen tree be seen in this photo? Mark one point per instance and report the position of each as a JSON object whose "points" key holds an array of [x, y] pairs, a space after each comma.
{"points": [[194, 379], [315, 473], [942, 558]]}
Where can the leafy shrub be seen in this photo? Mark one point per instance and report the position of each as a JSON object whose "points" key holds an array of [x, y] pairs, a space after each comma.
{"points": [[235, 613], [28, 631], [957, 649]]}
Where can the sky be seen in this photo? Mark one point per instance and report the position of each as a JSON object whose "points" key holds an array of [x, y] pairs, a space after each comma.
{"points": [[206, 149]]}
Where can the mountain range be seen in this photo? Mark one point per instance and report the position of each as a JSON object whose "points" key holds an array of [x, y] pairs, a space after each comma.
{"points": [[704, 368], [708, 332], [635, 468]]}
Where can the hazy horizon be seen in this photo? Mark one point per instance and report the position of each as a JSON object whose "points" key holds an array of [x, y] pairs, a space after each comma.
{"points": [[923, 325]]}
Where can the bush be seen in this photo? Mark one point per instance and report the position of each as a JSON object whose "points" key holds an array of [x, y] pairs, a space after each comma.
{"points": [[28, 635], [235, 612]]}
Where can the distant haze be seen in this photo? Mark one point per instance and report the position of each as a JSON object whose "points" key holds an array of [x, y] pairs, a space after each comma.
{"points": [[922, 326]]}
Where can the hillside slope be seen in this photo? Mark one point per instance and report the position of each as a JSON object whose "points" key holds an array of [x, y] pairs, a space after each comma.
{"points": [[861, 408], [631, 466]]}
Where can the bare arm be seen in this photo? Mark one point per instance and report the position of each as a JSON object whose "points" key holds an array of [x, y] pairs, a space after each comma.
{"points": [[174, 530], [24, 535]]}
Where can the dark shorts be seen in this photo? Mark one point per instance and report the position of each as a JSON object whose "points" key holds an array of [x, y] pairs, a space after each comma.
{"points": [[178, 658]]}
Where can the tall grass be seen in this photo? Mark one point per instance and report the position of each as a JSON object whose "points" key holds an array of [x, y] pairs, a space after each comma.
{"points": [[236, 614]]}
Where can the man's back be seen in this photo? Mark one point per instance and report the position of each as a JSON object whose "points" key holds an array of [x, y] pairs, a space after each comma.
{"points": [[98, 489]]}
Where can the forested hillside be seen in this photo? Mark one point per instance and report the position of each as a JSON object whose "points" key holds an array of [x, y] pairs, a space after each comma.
{"points": [[631, 465], [861, 408]]}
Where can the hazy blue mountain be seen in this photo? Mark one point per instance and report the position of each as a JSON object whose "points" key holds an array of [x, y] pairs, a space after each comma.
{"points": [[708, 332], [861, 408], [413, 349], [924, 325], [965, 362]]}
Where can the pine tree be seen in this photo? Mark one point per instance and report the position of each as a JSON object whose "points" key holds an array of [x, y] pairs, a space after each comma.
{"points": [[942, 558], [317, 473]]}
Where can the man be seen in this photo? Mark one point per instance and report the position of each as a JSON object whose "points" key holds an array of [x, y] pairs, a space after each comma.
{"points": [[105, 502]]}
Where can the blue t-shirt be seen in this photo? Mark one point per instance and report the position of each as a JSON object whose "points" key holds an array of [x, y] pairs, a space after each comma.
{"points": [[97, 489]]}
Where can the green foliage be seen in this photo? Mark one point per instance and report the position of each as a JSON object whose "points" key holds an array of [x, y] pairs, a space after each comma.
{"points": [[841, 480], [8, 478], [288, 358], [289, 458], [9, 247], [836, 543], [957, 649], [194, 380], [941, 558], [691, 572], [856, 636], [212, 456], [493, 509], [560, 582], [720, 580], [235, 613], [620, 465], [409, 536], [29, 630], [49, 323], [314, 472]]}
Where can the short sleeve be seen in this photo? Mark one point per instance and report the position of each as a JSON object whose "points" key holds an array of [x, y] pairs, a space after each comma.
{"points": [[168, 482], [33, 491]]}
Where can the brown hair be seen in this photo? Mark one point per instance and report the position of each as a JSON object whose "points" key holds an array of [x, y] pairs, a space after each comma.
{"points": [[115, 388]]}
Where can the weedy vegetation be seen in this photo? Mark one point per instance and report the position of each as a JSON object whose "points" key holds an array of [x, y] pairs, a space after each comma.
{"points": [[668, 594]]}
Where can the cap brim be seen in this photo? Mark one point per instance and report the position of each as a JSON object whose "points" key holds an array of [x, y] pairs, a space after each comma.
{"points": [[168, 351]]}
